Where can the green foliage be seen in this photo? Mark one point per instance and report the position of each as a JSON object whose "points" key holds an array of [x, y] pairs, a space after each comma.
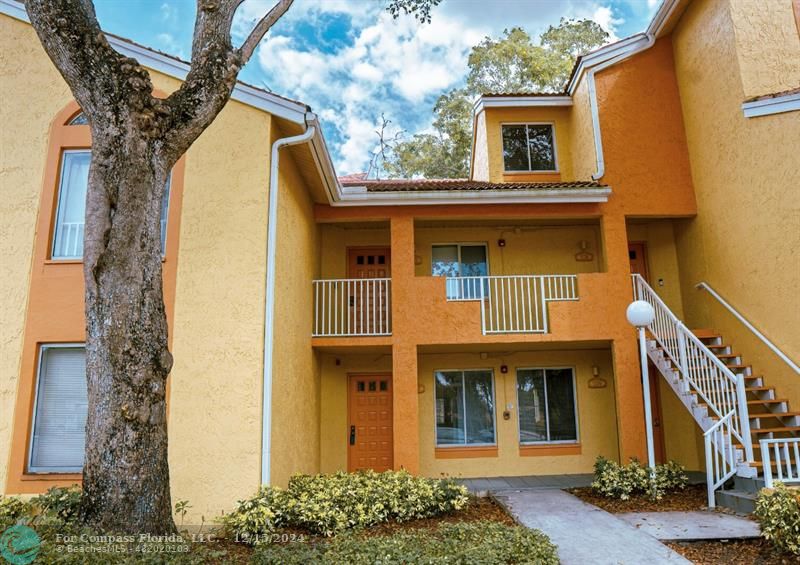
{"points": [[12, 509], [778, 513], [421, 9], [512, 63], [624, 481], [329, 504], [63, 503], [476, 543]]}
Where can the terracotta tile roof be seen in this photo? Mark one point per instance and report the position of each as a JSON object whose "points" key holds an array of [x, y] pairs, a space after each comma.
{"points": [[774, 95], [431, 185]]}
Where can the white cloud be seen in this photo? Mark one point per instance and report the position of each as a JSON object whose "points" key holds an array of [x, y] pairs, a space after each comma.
{"points": [[653, 3], [605, 17]]}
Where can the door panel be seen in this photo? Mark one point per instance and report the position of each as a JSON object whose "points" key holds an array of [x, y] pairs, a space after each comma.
{"points": [[658, 422], [369, 303], [370, 436], [637, 253]]}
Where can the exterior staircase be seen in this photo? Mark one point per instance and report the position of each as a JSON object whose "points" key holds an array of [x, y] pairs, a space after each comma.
{"points": [[770, 416]]}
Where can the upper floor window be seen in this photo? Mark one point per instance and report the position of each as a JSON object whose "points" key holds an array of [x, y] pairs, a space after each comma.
{"points": [[461, 260], [529, 147], [71, 209]]}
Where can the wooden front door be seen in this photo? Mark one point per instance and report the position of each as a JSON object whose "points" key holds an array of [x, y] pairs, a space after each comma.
{"points": [[655, 408], [370, 440], [637, 253], [369, 301]]}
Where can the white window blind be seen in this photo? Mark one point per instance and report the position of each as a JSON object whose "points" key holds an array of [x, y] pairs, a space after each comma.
{"points": [[60, 410]]}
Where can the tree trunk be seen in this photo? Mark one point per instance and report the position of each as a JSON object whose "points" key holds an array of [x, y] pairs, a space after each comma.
{"points": [[125, 474]]}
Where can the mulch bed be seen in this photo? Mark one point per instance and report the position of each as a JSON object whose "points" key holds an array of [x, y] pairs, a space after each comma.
{"points": [[734, 552], [693, 497]]}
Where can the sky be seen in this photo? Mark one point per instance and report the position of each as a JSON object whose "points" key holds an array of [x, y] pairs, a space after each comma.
{"points": [[352, 63]]}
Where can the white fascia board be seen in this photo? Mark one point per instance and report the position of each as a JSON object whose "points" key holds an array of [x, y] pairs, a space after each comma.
{"points": [[175, 68], [768, 106], [520, 102], [358, 196], [619, 49]]}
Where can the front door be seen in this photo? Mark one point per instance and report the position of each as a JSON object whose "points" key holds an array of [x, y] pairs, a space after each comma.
{"points": [[369, 301], [637, 253], [369, 441], [655, 408]]}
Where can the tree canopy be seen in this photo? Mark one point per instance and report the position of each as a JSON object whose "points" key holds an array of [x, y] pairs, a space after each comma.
{"points": [[511, 64]]}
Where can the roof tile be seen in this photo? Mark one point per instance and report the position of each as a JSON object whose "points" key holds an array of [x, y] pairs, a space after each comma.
{"points": [[431, 185]]}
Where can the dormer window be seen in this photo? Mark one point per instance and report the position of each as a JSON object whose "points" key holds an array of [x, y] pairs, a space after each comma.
{"points": [[529, 148]]}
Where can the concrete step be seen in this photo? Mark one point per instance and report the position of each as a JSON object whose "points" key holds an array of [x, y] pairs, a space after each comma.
{"points": [[748, 485], [739, 501]]}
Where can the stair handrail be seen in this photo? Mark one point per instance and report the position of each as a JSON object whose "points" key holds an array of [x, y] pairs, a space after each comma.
{"points": [[665, 328], [721, 460], [705, 286]]}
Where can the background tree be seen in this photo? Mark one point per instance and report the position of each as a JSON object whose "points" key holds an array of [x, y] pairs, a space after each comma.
{"points": [[513, 63], [136, 140]]}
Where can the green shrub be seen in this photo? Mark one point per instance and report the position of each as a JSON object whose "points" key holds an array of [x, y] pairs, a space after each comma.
{"points": [[624, 481], [58, 502], [778, 513], [12, 509], [328, 504], [476, 543]]}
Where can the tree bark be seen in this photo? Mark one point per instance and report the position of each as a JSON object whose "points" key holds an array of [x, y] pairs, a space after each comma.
{"points": [[136, 140]]}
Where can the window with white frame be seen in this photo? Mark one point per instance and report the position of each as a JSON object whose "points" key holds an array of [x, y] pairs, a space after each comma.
{"points": [[464, 403], [529, 147], [71, 209], [546, 401], [460, 260], [59, 414]]}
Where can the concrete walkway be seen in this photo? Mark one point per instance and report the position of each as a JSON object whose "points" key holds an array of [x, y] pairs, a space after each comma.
{"points": [[688, 526], [584, 533]]}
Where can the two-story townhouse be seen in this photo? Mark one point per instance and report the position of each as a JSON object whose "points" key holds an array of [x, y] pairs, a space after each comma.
{"points": [[469, 328]]}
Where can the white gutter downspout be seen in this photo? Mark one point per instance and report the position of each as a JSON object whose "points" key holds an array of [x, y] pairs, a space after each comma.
{"points": [[598, 140], [269, 298]]}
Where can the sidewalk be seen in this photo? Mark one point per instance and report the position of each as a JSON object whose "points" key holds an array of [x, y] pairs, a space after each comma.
{"points": [[584, 533]]}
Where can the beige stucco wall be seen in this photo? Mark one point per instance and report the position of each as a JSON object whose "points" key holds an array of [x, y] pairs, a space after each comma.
{"points": [[31, 92], [767, 45], [745, 241], [533, 250], [584, 156], [480, 160], [296, 380]]}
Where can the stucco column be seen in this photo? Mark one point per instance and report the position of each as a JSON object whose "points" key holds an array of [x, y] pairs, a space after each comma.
{"points": [[404, 349], [624, 349]]}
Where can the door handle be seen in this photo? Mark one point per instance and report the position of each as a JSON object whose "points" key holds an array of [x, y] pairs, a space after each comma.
{"points": [[352, 435]]}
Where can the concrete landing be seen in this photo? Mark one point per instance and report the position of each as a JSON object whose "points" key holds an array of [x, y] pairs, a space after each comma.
{"points": [[585, 533], [687, 526]]}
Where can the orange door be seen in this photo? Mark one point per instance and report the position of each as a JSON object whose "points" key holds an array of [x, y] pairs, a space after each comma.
{"points": [[369, 306], [369, 442], [655, 408], [637, 253]]}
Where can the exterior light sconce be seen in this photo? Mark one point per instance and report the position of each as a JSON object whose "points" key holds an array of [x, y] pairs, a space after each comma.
{"points": [[504, 369], [596, 381], [420, 388], [584, 255], [501, 242]]}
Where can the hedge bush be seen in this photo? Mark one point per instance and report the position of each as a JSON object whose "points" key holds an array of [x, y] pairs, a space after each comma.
{"points": [[778, 513], [624, 481], [474, 543], [329, 504]]}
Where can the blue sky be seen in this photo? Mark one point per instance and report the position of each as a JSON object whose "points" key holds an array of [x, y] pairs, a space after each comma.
{"points": [[351, 62]]}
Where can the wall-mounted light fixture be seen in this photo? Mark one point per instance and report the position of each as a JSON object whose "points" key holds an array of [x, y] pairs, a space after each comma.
{"points": [[504, 369], [501, 242], [596, 381]]}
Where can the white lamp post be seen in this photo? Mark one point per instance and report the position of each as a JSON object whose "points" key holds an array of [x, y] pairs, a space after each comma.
{"points": [[641, 315]]}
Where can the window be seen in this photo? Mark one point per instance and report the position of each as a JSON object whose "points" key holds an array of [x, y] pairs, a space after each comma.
{"points": [[70, 212], [464, 408], [460, 260], [528, 147], [546, 399], [79, 120], [59, 418]]}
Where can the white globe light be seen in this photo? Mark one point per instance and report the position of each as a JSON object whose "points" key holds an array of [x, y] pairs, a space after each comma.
{"points": [[640, 314]]}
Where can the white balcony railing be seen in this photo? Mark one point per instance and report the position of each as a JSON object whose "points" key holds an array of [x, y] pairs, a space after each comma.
{"points": [[513, 303], [784, 454], [352, 307]]}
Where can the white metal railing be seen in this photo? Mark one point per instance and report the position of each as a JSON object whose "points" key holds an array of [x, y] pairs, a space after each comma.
{"points": [[68, 240], [703, 374], [785, 455], [513, 303], [721, 462], [749, 326], [352, 307]]}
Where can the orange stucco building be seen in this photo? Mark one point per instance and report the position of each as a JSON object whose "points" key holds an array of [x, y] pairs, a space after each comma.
{"points": [[469, 327]]}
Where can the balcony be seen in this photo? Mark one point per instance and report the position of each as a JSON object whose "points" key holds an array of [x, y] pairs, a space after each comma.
{"points": [[352, 307], [513, 303]]}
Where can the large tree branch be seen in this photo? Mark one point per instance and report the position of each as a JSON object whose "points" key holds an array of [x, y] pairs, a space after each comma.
{"points": [[215, 66], [262, 27]]}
